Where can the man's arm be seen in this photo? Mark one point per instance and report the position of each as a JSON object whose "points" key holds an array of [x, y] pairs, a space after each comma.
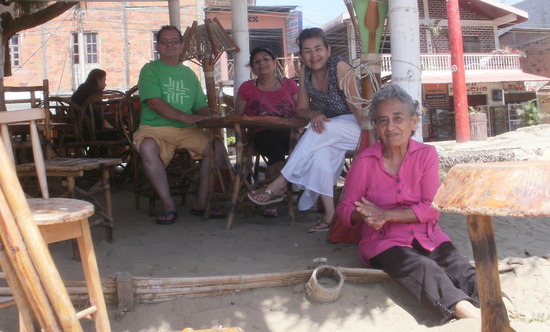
{"points": [[164, 109]]}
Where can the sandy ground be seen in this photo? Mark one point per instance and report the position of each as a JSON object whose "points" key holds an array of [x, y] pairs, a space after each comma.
{"points": [[194, 248]]}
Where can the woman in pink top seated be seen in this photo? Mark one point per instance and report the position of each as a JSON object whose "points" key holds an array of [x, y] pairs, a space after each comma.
{"points": [[388, 195], [268, 95]]}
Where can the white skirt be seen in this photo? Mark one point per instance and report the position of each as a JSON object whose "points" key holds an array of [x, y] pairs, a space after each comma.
{"points": [[317, 160]]}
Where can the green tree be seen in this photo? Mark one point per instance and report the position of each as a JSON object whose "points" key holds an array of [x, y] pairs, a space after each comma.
{"points": [[530, 113], [27, 15]]}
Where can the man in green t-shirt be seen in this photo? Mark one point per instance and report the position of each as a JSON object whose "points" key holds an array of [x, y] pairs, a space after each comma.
{"points": [[172, 101]]}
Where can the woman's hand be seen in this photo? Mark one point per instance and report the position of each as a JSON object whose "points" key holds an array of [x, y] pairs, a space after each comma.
{"points": [[372, 215], [317, 121]]}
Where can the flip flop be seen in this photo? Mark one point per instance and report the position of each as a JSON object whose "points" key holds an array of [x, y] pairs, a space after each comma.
{"points": [[265, 190], [270, 212], [320, 222], [214, 214], [166, 221]]}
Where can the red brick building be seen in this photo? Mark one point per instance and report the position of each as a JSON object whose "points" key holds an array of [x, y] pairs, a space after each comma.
{"points": [[117, 37]]}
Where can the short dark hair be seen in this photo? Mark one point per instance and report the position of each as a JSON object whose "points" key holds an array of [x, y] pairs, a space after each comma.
{"points": [[258, 50], [311, 33], [168, 28]]}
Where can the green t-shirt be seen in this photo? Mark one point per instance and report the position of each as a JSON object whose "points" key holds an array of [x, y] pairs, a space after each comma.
{"points": [[176, 85]]}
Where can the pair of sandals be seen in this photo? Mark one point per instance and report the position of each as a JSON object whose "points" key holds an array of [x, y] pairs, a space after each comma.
{"points": [[322, 224], [269, 211], [169, 217]]}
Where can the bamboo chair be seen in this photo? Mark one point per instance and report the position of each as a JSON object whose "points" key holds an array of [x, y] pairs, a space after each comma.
{"points": [[181, 170], [36, 284], [98, 126], [254, 169]]}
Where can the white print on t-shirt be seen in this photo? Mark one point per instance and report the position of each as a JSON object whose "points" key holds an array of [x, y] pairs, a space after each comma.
{"points": [[175, 92]]}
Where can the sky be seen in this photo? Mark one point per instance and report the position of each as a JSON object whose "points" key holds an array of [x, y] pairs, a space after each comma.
{"points": [[318, 12]]}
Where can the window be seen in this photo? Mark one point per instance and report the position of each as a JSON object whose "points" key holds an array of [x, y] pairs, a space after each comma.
{"points": [[76, 54], [91, 49], [15, 51], [471, 44], [155, 53]]}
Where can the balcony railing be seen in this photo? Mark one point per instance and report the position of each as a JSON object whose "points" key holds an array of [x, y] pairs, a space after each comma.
{"points": [[472, 62], [289, 67]]}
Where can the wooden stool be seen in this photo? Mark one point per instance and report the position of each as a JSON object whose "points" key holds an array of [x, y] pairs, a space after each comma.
{"points": [[60, 219], [518, 189]]}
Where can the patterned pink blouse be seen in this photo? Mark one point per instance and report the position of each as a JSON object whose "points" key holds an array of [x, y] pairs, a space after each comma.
{"points": [[279, 103]]}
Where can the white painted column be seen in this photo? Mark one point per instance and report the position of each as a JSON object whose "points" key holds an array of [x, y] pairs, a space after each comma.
{"points": [[405, 50], [239, 22], [174, 13]]}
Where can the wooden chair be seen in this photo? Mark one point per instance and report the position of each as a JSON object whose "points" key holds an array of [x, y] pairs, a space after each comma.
{"points": [[33, 96], [255, 167], [68, 168], [98, 127], [27, 225], [181, 170], [67, 137]]}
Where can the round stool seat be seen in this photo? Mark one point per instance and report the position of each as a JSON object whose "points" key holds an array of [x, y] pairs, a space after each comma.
{"points": [[59, 210]]}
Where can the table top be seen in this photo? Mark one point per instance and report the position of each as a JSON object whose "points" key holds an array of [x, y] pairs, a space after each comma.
{"points": [[73, 164], [513, 188], [252, 122]]}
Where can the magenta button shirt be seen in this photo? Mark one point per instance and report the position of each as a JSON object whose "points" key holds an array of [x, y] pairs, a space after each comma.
{"points": [[414, 187]]}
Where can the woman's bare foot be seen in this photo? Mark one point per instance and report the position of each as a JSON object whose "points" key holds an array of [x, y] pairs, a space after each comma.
{"points": [[267, 193]]}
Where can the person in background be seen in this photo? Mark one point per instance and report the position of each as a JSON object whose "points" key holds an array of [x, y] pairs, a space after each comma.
{"points": [[90, 91], [268, 95], [95, 82], [327, 87], [172, 102], [388, 198]]}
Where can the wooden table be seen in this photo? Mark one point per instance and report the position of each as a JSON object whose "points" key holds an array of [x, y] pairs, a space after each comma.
{"points": [[238, 123], [519, 189], [75, 167]]}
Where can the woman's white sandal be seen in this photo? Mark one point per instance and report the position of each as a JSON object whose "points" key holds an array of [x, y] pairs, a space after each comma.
{"points": [[265, 191]]}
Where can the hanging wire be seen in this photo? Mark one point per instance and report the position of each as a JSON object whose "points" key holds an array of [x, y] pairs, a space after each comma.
{"points": [[44, 43], [66, 56]]}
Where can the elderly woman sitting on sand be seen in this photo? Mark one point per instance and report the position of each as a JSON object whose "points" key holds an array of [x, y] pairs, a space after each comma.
{"points": [[388, 195]]}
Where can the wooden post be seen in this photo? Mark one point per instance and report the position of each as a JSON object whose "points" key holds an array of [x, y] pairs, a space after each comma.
{"points": [[493, 311], [125, 292]]}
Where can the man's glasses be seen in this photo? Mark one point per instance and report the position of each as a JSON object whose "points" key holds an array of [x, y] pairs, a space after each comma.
{"points": [[169, 41]]}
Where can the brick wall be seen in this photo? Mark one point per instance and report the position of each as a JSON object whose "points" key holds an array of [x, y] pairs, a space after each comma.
{"points": [[53, 60], [536, 44]]}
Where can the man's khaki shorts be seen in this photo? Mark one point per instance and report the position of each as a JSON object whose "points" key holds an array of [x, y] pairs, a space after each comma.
{"points": [[169, 139]]}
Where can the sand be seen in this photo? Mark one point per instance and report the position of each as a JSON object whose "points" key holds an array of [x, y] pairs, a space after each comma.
{"points": [[195, 248]]}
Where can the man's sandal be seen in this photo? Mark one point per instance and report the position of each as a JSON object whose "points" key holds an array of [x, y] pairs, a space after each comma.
{"points": [[164, 220], [265, 191], [322, 225]]}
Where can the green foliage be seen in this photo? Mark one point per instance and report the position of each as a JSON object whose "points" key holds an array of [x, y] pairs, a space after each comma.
{"points": [[474, 109], [530, 114], [231, 140]]}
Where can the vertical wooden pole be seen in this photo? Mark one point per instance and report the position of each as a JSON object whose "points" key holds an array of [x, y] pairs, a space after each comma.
{"points": [[493, 311]]}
